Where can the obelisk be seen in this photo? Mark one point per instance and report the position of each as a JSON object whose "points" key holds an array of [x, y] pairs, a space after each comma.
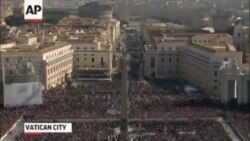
{"points": [[124, 100]]}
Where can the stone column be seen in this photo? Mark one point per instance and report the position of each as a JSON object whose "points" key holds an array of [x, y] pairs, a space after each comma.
{"points": [[224, 89], [243, 94]]}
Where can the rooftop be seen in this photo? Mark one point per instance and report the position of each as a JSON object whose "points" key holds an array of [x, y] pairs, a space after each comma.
{"points": [[213, 49], [44, 48], [47, 48], [166, 38]]}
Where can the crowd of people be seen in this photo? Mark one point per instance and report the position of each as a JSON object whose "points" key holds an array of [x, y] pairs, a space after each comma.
{"points": [[193, 130], [97, 99], [94, 131], [188, 131], [148, 100]]}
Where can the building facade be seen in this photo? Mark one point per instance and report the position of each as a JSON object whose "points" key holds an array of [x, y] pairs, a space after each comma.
{"points": [[235, 82], [92, 60], [196, 59], [52, 62], [94, 42]]}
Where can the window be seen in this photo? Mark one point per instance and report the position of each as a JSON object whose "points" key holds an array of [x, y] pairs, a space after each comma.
{"points": [[215, 73], [77, 66], [85, 58], [226, 59], [77, 59], [177, 72], [85, 48], [177, 60], [215, 81], [169, 72], [93, 66], [19, 59], [77, 48], [93, 59], [169, 60], [93, 48], [152, 74], [102, 62], [85, 66], [170, 48], [93, 54], [215, 87], [152, 62], [162, 60], [6, 59]]}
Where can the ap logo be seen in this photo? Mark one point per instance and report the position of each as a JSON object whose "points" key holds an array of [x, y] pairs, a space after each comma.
{"points": [[33, 11]]}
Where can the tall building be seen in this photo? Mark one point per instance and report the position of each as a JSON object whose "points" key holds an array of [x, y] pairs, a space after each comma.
{"points": [[52, 62], [92, 59], [195, 58], [94, 42]]}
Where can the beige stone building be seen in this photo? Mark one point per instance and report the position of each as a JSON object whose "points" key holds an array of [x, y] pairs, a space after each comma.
{"points": [[52, 62], [195, 58], [94, 43], [109, 28], [235, 82], [93, 58]]}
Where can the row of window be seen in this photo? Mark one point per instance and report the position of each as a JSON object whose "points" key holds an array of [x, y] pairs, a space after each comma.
{"points": [[85, 48], [85, 66], [192, 52], [92, 59], [169, 60], [59, 66], [152, 61], [196, 66], [169, 48], [204, 41], [86, 54], [57, 54], [209, 41]]}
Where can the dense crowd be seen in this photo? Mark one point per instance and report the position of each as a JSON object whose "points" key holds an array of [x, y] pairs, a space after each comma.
{"points": [[193, 130], [102, 100], [89, 100], [148, 100], [93, 131], [188, 131]]}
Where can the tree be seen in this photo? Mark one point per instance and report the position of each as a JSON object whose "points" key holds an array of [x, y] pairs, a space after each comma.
{"points": [[15, 20]]}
